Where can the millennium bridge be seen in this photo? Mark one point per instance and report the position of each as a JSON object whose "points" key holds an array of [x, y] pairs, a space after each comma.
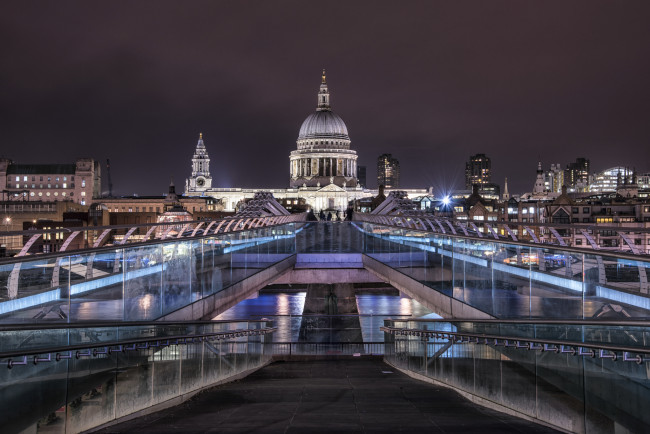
{"points": [[121, 325]]}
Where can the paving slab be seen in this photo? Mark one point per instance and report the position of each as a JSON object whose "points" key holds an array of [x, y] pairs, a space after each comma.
{"points": [[328, 396]]}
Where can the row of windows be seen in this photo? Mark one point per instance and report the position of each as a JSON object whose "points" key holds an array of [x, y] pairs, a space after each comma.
{"points": [[49, 178], [151, 208], [56, 193], [137, 209], [324, 142], [64, 185]]}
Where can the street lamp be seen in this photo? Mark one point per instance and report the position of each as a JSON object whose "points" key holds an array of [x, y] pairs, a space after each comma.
{"points": [[7, 222]]}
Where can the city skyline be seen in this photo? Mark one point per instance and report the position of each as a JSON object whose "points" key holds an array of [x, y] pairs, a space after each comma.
{"points": [[518, 83]]}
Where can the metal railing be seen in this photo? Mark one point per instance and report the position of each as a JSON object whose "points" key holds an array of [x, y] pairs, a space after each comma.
{"points": [[57, 387], [537, 234], [92, 237], [325, 348], [557, 346], [578, 376]]}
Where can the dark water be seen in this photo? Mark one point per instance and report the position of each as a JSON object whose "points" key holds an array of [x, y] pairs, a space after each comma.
{"points": [[286, 310]]}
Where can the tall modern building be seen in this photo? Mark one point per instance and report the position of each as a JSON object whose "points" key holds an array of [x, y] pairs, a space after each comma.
{"points": [[478, 170], [361, 176], [387, 171], [576, 175], [554, 178]]}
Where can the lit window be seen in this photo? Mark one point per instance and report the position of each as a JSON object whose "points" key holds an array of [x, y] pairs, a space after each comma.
{"points": [[83, 193], [83, 182], [130, 209], [17, 178], [65, 178], [57, 179], [531, 210], [65, 185], [56, 193], [524, 211], [31, 194], [47, 194], [40, 193], [25, 178], [83, 202], [63, 194]]}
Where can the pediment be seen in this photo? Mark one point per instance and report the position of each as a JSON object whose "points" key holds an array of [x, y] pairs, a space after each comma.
{"points": [[331, 188]]}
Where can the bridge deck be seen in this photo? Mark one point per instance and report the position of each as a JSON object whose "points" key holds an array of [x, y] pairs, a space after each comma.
{"points": [[328, 396]]}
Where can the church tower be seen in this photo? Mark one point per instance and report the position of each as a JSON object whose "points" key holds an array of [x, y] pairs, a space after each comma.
{"points": [[201, 179]]}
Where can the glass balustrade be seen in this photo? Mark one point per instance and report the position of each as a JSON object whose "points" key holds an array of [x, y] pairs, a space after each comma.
{"points": [[578, 377], [101, 373], [136, 283]]}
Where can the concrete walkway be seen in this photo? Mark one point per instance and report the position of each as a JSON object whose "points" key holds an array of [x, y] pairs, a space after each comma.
{"points": [[359, 395]]}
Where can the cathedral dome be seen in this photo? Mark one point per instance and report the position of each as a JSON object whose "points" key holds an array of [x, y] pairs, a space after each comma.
{"points": [[323, 124]]}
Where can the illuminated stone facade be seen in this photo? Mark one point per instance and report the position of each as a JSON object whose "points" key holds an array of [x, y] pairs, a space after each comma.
{"points": [[323, 156]]}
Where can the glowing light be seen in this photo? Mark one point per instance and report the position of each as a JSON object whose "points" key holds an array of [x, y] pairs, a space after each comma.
{"points": [[446, 200]]}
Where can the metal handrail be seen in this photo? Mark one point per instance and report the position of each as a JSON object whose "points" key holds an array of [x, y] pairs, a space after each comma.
{"points": [[521, 342], [604, 322], [88, 250], [100, 324], [90, 345], [504, 240]]}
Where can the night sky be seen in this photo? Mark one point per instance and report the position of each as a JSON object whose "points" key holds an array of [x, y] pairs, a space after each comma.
{"points": [[430, 82]]}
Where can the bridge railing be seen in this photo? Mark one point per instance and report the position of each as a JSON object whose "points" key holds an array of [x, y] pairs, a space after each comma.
{"points": [[144, 280], [632, 238], [508, 279], [576, 376], [60, 239], [75, 378]]}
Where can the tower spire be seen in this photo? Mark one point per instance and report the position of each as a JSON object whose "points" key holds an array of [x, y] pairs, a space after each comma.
{"points": [[323, 95]]}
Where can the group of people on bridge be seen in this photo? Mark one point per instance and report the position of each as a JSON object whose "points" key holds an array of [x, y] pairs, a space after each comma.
{"points": [[337, 216]]}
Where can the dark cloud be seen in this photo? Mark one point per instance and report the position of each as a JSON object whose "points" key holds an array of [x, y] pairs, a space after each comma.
{"points": [[429, 82]]}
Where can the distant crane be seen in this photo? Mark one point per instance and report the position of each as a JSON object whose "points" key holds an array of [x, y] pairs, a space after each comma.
{"points": [[108, 173]]}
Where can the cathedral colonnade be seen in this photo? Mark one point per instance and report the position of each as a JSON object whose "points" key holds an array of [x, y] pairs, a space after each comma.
{"points": [[311, 166]]}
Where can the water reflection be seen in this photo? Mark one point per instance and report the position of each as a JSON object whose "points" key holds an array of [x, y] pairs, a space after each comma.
{"points": [[285, 309]]}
